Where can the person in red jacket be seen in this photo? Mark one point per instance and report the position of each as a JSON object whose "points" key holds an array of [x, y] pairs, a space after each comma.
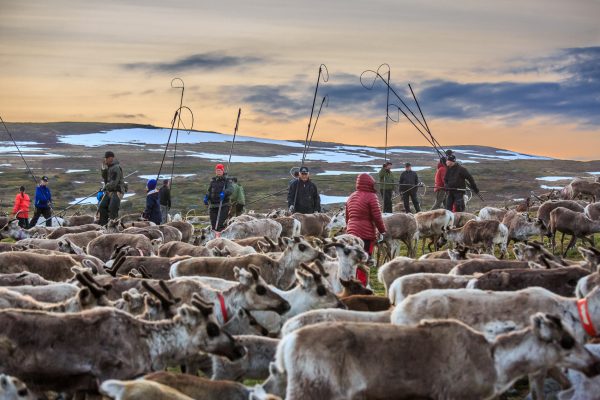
{"points": [[440, 193], [21, 208], [363, 216]]}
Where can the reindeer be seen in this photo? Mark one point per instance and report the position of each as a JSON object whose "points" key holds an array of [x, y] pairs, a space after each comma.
{"points": [[34, 348], [104, 246], [313, 224], [561, 281], [51, 267], [229, 247], [404, 286], [140, 389], [403, 227], [78, 220], [186, 229], [22, 278], [311, 292], [63, 230], [486, 234], [314, 317], [201, 388], [492, 214], [337, 223], [545, 209], [473, 267], [260, 351], [278, 272], [573, 223], [240, 230], [401, 266], [431, 224], [349, 259], [12, 388], [89, 297], [290, 227], [173, 249], [461, 218], [521, 227], [311, 359], [579, 186]]}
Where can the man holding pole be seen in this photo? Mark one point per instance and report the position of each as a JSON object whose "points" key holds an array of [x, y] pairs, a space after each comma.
{"points": [[217, 198], [114, 188], [455, 184]]}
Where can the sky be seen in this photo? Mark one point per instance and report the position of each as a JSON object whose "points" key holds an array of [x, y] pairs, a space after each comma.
{"points": [[522, 75]]}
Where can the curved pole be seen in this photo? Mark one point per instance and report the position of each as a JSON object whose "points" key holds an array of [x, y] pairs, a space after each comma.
{"points": [[182, 87]]}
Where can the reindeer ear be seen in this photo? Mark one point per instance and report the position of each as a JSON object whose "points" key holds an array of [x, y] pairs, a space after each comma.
{"points": [[345, 283], [236, 273]]}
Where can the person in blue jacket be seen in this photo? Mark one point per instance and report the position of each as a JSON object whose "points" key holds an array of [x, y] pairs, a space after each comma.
{"points": [[152, 211], [43, 203]]}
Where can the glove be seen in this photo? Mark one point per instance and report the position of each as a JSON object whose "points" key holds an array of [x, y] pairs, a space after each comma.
{"points": [[205, 199], [292, 208], [222, 196], [421, 184]]}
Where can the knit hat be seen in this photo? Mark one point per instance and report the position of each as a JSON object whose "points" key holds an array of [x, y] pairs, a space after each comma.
{"points": [[109, 154], [151, 184], [407, 164], [452, 158], [22, 188], [220, 166], [45, 178]]}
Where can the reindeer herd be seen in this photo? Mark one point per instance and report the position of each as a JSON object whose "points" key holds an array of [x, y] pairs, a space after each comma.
{"points": [[90, 311]]}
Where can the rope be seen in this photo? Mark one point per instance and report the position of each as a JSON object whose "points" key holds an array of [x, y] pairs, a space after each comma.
{"points": [[19, 150]]}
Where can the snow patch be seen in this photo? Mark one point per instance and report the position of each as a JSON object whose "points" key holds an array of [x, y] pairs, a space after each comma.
{"points": [[551, 187], [92, 200], [554, 178], [326, 199], [146, 177], [72, 171]]}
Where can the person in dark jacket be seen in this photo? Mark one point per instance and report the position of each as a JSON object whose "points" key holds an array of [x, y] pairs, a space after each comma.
{"points": [[455, 184], [409, 186], [114, 188], [217, 198], [386, 186], [303, 196], [363, 216], [152, 210], [165, 201], [43, 203]]}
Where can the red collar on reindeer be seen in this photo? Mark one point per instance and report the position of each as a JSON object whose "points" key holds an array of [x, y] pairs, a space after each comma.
{"points": [[223, 307], [584, 316]]}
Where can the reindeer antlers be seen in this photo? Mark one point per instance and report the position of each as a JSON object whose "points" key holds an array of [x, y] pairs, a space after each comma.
{"points": [[320, 267], [87, 280], [204, 307], [167, 300], [311, 271]]}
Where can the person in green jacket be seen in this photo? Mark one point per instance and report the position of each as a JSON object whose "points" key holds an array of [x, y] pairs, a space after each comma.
{"points": [[386, 186], [238, 199]]}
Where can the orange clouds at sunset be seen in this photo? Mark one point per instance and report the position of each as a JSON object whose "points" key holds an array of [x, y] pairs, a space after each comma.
{"points": [[514, 75]]}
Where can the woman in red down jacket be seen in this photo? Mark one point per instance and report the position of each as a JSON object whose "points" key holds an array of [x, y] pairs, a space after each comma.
{"points": [[21, 208], [363, 216]]}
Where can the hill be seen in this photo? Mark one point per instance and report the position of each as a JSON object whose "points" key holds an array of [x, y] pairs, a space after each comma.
{"points": [[71, 154]]}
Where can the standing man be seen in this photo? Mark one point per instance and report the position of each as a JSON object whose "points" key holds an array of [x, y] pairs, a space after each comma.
{"points": [[386, 186], [238, 199], [440, 193], [165, 201], [455, 184], [43, 203], [217, 196], [409, 186], [114, 187], [303, 196], [21, 208]]}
